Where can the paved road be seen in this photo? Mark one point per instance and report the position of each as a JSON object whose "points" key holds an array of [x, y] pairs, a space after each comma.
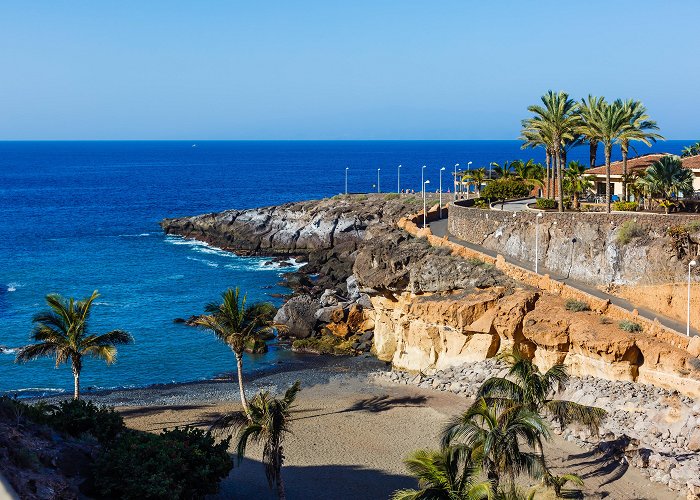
{"points": [[514, 206], [439, 228]]}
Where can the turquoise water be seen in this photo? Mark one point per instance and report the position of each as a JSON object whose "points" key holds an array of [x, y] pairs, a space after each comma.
{"points": [[80, 216]]}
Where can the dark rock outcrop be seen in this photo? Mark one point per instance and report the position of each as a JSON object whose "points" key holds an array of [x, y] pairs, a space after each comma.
{"points": [[298, 316]]}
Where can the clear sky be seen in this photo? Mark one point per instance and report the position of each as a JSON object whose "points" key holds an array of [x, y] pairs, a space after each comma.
{"points": [[403, 69]]}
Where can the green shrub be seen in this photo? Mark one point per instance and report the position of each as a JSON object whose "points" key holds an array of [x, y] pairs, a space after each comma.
{"points": [[577, 305], [625, 206], [605, 321], [481, 203], [361, 197], [629, 326], [546, 203], [181, 463], [505, 189], [391, 196], [628, 230], [325, 344], [77, 417]]}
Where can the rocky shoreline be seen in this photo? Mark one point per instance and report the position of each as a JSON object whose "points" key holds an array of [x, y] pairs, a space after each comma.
{"points": [[653, 429]]}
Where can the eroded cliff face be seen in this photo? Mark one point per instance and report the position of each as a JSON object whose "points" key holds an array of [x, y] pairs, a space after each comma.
{"points": [[446, 329]]}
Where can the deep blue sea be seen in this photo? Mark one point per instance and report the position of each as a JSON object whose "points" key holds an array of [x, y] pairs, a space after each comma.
{"points": [[83, 216]]}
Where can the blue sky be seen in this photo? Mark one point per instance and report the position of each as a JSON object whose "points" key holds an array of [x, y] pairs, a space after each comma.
{"points": [[334, 70]]}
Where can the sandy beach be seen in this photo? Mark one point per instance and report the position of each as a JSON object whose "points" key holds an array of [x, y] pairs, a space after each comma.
{"points": [[351, 433]]}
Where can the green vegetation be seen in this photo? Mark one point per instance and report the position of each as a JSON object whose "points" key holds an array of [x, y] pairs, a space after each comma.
{"points": [[666, 178], [629, 326], [324, 344], [627, 231], [577, 305], [576, 182], [481, 203], [77, 418], [625, 206], [499, 438], [391, 196], [235, 323], [180, 463], [267, 423], [505, 189], [545, 203], [61, 332], [604, 320], [692, 150]]}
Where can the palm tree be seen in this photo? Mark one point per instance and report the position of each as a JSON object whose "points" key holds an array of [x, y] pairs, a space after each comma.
{"points": [[576, 181], [478, 176], [234, 323], [533, 137], [556, 118], [692, 150], [62, 332], [667, 177], [588, 109], [639, 130], [610, 121], [493, 434], [557, 483], [266, 422], [504, 171], [444, 474], [525, 385]]}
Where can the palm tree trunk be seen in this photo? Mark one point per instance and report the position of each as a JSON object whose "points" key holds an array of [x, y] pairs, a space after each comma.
{"points": [[76, 379], [624, 174], [546, 161], [560, 182], [592, 153], [607, 176], [280, 485], [576, 203], [239, 369]]}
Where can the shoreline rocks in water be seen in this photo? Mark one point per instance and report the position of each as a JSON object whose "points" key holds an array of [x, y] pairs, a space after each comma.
{"points": [[654, 429]]}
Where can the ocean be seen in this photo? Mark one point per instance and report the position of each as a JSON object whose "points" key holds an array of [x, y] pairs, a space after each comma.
{"points": [[83, 216]]}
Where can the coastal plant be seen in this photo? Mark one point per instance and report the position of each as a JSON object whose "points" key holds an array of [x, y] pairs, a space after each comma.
{"points": [[574, 305], [78, 417], [576, 182], [692, 150], [587, 110], [627, 231], [267, 423], [526, 385], [505, 189], [234, 322], [62, 332], [391, 196], [629, 326], [667, 178], [445, 473], [625, 206], [557, 483], [182, 464], [545, 203]]}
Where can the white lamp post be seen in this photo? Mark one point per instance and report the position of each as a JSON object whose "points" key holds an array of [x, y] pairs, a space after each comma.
{"points": [[468, 169], [425, 211], [398, 181], [537, 242], [441, 170], [691, 264], [346, 179], [379, 190], [422, 182], [456, 165]]}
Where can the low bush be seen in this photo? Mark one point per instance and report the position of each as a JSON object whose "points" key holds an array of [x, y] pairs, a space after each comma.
{"points": [[627, 231], [181, 463], [605, 321], [325, 344], [546, 203], [505, 189], [77, 417], [625, 206], [391, 196], [481, 203], [629, 326], [577, 305]]}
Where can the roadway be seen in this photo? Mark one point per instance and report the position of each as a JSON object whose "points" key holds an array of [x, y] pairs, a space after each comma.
{"points": [[439, 228]]}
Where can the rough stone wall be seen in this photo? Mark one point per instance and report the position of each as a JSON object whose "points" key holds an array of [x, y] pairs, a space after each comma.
{"points": [[596, 257]]}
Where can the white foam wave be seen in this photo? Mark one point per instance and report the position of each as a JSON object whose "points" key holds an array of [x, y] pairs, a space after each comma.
{"points": [[140, 235], [204, 261], [5, 350], [179, 240], [13, 286], [288, 264]]}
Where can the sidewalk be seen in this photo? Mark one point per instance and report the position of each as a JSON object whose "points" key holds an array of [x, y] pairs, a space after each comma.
{"points": [[439, 228]]}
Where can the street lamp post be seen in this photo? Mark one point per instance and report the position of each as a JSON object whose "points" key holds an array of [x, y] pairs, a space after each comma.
{"points": [[456, 165], [468, 169], [422, 182], [537, 242], [346, 179], [379, 190], [441, 170], [425, 211], [398, 181], [691, 264]]}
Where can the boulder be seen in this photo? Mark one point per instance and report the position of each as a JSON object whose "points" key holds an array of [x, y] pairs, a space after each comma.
{"points": [[338, 329], [298, 315]]}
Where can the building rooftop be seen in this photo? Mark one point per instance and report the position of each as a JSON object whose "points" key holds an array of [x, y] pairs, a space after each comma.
{"points": [[641, 163]]}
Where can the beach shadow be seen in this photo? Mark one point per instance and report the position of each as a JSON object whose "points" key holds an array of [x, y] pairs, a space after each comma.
{"points": [[607, 460], [204, 420], [339, 482], [375, 404]]}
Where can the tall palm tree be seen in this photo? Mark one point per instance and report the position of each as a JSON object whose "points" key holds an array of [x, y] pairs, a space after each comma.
{"points": [[610, 122], [536, 137], [692, 150], [494, 435], [556, 118], [666, 177], [576, 181], [525, 385], [444, 474], [478, 176], [504, 171], [267, 422], [639, 130], [587, 109], [62, 332], [234, 323]]}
